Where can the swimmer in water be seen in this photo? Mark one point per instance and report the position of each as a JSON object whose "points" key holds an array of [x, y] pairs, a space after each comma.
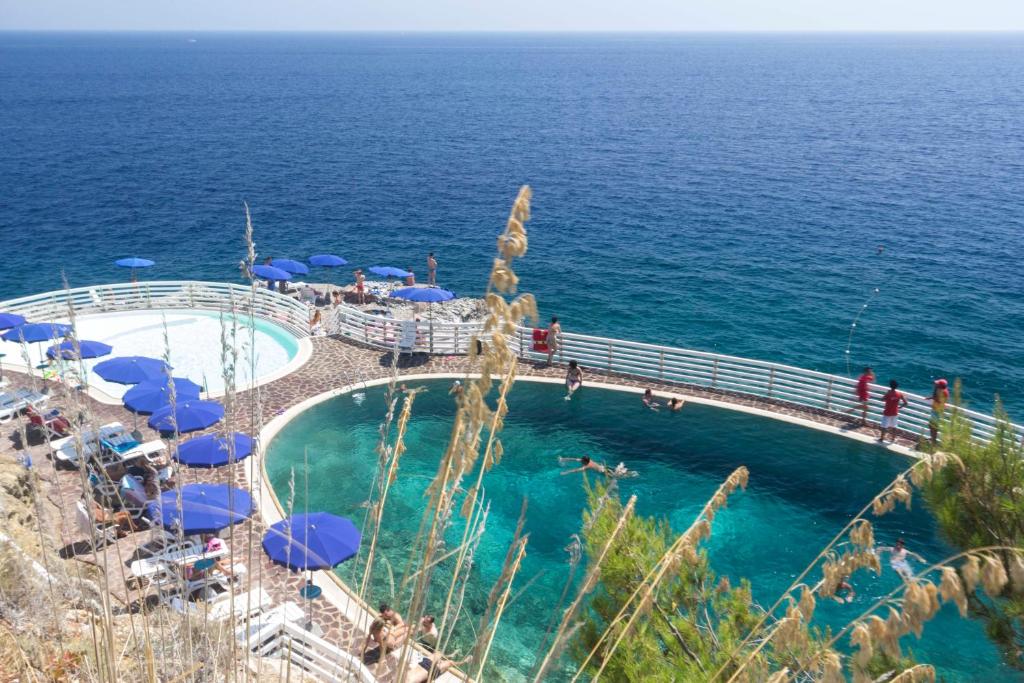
{"points": [[675, 404], [845, 587], [898, 555], [617, 472], [650, 401]]}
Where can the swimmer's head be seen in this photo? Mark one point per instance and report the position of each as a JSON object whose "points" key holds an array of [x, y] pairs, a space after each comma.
{"points": [[585, 460], [899, 542]]}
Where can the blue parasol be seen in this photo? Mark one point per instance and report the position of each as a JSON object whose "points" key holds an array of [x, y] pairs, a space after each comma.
{"points": [[37, 332], [211, 450], [389, 271], [8, 320], [131, 369], [290, 266], [86, 349], [423, 294], [203, 508], [271, 273], [316, 540], [133, 262], [189, 416], [155, 394], [327, 260]]}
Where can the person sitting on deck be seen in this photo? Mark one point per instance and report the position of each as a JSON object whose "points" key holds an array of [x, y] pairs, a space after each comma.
{"points": [[429, 668], [573, 379], [383, 639], [428, 634]]}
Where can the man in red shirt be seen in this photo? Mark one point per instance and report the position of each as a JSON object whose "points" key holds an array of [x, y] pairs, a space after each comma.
{"points": [[893, 400], [863, 392]]}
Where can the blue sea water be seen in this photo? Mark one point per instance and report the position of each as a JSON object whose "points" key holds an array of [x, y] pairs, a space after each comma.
{"points": [[719, 192], [804, 487]]}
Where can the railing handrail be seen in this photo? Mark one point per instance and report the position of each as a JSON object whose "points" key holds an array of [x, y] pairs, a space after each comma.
{"points": [[765, 379], [676, 366], [166, 294]]}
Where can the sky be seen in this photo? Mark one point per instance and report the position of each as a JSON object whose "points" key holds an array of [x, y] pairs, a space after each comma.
{"points": [[522, 15]]}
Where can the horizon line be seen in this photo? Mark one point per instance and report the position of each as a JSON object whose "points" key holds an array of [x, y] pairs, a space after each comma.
{"points": [[568, 31]]}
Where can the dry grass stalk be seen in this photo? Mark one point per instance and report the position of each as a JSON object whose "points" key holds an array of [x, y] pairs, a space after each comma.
{"points": [[589, 582], [682, 550]]}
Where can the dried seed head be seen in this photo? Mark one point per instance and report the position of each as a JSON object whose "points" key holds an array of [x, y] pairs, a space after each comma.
{"points": [[863, 534], [970, 570], [952, 590], [1017, 571], [832, 668], [807, 604], [780, 676], [993, 576]]}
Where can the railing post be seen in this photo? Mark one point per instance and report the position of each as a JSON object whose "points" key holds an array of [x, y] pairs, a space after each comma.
{"points": [[661, 365], [609, 356], [828, 395], [522, 349], [431, 333], [771, 381], [456, 339], [714, 374]]}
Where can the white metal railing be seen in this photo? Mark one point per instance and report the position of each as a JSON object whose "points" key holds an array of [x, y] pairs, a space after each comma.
{"points": [[307, 651], [214, 296], [808, 389]]}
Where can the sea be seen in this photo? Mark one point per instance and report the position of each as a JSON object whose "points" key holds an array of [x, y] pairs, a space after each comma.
{"points": [[743, 194]]}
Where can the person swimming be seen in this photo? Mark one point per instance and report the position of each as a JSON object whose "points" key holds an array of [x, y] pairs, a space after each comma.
{"points": [[617, 472], [650, 401], [898, 559]]}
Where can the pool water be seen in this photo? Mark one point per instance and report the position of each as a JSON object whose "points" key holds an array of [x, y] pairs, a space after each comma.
{"points": [[194, 339], [804, 486]]}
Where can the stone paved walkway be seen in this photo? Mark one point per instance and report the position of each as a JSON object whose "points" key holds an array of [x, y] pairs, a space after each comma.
{"points": [[335, 362]]}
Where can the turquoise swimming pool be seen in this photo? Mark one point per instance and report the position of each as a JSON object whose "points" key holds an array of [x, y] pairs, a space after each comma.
{"points": [[804, 486]]}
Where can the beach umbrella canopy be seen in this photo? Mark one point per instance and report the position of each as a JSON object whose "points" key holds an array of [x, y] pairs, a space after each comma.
{"points": [[327, 260], [86, 349], [8, 320], [131, 369], [203, 508], [37, 332], [211, 450], [155, 394], [271, 273], [188, 416], [290, 266], [389, 271], [316, 540], [424, 294], [134, 262]]}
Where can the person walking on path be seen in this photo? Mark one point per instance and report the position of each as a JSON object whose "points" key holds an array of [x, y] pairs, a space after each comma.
{"points": [[940, 395], [554, 338], [893, 400], [863, 392], [431, 269]]}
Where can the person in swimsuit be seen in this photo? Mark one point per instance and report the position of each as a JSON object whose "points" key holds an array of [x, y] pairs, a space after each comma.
{"points": [[360, 286], [421, 673], [675, 404], [898, 555], [573, 379], [554, 338], [845, 587], [431, 269], [650, 401], [617, 472], [940, 395]]}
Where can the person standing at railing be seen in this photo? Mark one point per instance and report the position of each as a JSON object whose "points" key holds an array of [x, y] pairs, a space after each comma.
{"points": [[554, 338], [940, 395], [360, 286], [863, 392], [893, 400]]}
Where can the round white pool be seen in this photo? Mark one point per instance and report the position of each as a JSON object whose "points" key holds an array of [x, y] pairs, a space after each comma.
{"points": [[194, 338]]}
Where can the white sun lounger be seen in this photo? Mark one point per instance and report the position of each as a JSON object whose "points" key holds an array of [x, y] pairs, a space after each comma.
{"points": [[13, 402], [219, 608]]}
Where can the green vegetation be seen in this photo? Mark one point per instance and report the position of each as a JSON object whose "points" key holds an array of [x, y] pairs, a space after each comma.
{"points": [[982, 504]]}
